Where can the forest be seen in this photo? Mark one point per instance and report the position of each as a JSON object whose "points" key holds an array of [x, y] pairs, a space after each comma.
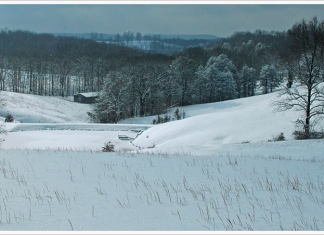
{"points": [[133, 82]]}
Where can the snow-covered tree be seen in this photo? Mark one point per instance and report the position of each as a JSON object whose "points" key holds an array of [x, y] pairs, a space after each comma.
{"points": [[182, 70], [112, 100], [226, 47], [156, 75], [248, 81], [220, 73], [140, 87], [201, 84], [269, 78]]}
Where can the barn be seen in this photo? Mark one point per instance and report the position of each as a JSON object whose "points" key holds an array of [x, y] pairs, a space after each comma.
{"points": [[86, 98]]}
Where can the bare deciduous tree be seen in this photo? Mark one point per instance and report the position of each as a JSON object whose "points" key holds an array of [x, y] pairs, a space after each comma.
{"points": [[306, 45]]}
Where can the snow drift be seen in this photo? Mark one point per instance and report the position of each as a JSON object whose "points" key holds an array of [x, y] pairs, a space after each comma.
{"points": [[211, 126]]}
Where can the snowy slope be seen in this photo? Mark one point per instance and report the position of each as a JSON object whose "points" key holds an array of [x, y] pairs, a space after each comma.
{"points": [[32, 108], [211, 126], [207, 127]]}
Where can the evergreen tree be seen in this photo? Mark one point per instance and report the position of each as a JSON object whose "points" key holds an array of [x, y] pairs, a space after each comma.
{"points": [[112, 101]]}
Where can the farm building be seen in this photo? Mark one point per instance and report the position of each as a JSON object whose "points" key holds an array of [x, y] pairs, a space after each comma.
{"points": [[86, 98]]}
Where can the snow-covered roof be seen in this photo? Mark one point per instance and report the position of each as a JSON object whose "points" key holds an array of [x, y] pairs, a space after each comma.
{"points": [[89, 94]]}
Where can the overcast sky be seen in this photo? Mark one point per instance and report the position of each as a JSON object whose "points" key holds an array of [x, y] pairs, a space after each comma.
{"points": [[214, 19]]}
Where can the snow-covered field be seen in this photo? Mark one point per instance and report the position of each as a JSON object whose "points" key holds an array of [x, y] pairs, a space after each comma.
{"points": [[42, 109], [214, 170]]}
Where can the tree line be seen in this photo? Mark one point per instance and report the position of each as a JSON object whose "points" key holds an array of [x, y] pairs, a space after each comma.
{"points": [[44, 64], [229, 69], [232, 68]]}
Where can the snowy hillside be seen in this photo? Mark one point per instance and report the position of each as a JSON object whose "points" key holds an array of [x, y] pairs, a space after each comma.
{"points": [[32, 108], [206, 128], [213, 126]]}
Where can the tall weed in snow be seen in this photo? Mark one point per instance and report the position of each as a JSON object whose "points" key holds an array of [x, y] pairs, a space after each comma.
{"points": [[61, 189], [2, 132]]}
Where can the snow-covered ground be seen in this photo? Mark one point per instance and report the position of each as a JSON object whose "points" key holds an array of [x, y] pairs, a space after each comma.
{"points": [[213, 126], [42, 109], [214, 170]]}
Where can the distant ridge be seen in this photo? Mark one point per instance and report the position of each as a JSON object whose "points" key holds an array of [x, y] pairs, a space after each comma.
{"points": [[162, 36], [190, 36], [155, 43]]}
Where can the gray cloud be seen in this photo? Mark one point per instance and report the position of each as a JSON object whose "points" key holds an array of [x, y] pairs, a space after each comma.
{"points": [[216, 19]]}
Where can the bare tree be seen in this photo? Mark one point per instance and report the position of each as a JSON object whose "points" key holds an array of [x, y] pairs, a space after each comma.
{"points": [[306, 45], [63, 69], [269, 78]]}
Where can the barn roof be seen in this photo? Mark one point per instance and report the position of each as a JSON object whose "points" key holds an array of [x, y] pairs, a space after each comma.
{"points": [[89, 94]]}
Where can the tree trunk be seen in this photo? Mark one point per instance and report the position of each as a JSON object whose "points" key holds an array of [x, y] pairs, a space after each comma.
{"points": [[308, 108], [142, 107]]}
